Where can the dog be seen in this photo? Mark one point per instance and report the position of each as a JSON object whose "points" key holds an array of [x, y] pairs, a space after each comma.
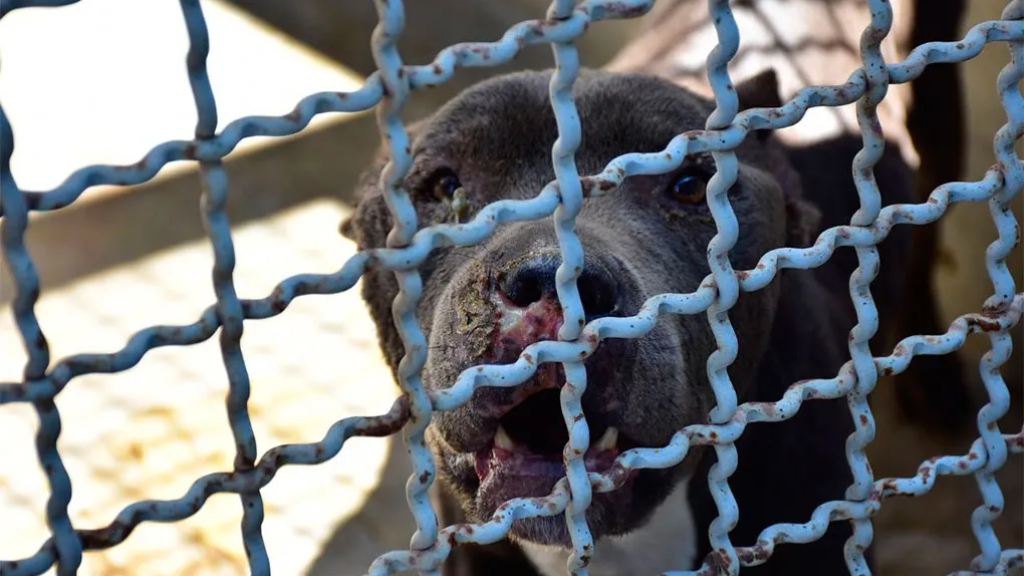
{"points": [[484, 304]]}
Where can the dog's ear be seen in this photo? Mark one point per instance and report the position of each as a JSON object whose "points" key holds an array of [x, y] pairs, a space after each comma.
{"points": [[760, 91], [348, 228], [362, 191], [803, 221], [369, 180]]}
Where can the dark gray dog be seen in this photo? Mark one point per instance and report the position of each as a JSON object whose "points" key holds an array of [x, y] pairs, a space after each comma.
{"points": [[484, 304]]}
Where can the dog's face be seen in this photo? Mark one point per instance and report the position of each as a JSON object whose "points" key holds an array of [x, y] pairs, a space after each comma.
{"points": [[484, 304]]}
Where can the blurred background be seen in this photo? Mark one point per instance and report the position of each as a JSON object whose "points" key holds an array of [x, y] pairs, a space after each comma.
{"points": [[103, 81]]}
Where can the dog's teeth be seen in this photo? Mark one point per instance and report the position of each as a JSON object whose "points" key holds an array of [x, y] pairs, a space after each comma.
{"points": [[502, 440], [609, 440]]}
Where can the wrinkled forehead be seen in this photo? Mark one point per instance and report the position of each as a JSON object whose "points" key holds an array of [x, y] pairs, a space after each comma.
{"points": [[511, 118]]}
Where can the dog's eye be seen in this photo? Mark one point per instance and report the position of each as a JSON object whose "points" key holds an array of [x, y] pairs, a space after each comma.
{"points": [[689, 188], [442, 186]]}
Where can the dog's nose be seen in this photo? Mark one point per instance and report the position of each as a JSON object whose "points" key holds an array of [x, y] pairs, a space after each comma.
{"points": [[534, 279]]}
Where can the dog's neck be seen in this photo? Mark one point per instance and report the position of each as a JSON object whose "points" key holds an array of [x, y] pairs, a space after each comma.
{"points": [[668, 541]]}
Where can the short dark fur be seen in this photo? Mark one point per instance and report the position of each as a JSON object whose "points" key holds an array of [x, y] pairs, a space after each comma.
{"points": [[497, 138]]}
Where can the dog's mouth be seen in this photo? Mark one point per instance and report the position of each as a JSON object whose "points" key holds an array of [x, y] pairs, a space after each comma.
{"points": [[525, 457], [530, 440]]}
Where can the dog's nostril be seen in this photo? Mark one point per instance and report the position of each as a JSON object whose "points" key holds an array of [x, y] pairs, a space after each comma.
{"points": [[535, 279], [526, 290], [597, 293], [531, 281]]}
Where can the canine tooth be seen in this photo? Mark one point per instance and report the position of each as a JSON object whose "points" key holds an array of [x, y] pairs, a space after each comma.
{"points": [[502, 440], [609, 439]]}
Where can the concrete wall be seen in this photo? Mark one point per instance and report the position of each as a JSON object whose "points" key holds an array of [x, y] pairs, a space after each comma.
{"points": [[961, 280]]}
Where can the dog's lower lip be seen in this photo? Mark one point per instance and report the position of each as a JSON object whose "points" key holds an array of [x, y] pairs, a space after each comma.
{"points": [[510, 460], [500, 465]]}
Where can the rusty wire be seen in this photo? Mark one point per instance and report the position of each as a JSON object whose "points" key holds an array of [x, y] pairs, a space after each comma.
{"points": [[408, 247]]}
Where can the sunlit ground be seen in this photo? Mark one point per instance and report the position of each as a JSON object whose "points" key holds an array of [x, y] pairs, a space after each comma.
{"points": [[104, 81], [151, 431]]}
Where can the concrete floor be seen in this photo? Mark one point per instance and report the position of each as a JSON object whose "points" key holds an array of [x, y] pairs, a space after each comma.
{"points": [[150, 431]]}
